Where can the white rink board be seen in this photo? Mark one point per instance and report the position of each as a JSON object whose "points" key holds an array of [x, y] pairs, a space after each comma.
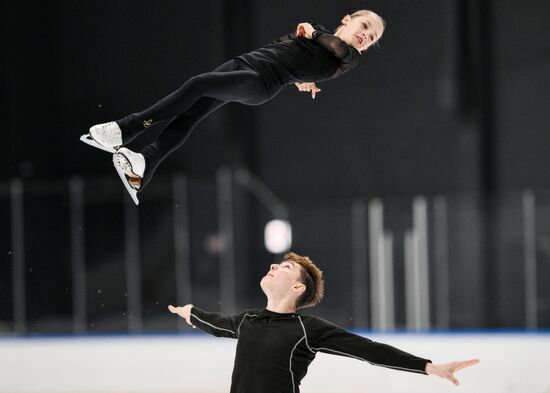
{"points": [[510, 363]]}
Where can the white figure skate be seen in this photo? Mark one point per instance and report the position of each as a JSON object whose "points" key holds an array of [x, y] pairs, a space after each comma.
{"points": [[106, 136], [130, 166]]}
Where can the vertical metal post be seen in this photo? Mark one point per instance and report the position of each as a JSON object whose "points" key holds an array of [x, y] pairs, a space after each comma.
{"points": [[133, 272], [416, 269], [359, 263], [410, 279], [420, 214], [530, 259], [226, 230], [387, 259], [376, 234], [18, 255], [441, 254], [182, 249], [78, 259]]}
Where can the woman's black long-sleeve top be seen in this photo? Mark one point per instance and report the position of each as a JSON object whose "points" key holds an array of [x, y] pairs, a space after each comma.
{"points": [[274, 350], [291, 59]]}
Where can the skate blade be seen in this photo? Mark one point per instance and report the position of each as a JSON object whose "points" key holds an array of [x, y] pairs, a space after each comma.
{"points": [[121, 169], [87, 138]]}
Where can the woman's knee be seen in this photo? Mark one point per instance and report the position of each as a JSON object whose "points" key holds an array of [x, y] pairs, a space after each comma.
{"points": [[195, 85]]}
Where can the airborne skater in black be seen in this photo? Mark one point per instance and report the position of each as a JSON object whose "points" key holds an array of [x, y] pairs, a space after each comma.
{"points": [[309, 55]]}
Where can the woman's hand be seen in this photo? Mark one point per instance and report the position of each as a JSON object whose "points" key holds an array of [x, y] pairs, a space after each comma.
{"points": [[304, 30], [184, 312], [447, 370], [308, 86]]}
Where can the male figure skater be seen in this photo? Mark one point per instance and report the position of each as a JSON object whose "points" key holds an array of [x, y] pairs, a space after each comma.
{"points": [[276, 345]]}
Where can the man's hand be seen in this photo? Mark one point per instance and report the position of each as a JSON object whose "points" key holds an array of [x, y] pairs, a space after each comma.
{"points": [[304, 30], [184, 312], [447, 370], [308, 86]]}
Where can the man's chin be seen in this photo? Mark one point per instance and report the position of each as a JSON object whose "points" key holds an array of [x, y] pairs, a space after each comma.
{"points": [[264, 284]]}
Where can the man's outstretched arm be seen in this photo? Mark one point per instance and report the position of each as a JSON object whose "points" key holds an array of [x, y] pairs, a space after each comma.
{"points": [[332, 339], [213, 323]]}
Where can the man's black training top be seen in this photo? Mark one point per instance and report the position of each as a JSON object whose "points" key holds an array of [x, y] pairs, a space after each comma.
{"points": [[291, 59], [274, 350]]}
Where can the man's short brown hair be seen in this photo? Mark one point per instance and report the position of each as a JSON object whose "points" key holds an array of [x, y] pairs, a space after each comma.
{"points": [[312, 278]]}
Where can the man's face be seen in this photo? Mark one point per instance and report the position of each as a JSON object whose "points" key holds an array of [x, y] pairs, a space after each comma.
{"points": [[282, 279]]}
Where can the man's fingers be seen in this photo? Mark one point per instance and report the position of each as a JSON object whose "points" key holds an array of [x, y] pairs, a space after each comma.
{"points": [[459, 366], [175, 310], [466, 363]]}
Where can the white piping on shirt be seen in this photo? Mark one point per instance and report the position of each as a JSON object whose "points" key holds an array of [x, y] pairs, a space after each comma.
{"points": [[305, 335], [242, 320], [209, 324], [374, 364], [290, 363]]}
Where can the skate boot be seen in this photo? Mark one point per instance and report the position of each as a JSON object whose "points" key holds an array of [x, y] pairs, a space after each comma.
{"points": [[130, 166], [106, 136]]}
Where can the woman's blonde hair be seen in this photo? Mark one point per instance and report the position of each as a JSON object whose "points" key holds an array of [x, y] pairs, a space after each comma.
{"points": [[364, 13]]}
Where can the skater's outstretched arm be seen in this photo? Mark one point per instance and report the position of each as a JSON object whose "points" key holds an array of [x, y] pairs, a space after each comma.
{"points": [[332, 339], [212, 323]]}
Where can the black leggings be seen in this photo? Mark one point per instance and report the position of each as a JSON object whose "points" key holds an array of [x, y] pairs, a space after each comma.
{"points": [[197, 98]]}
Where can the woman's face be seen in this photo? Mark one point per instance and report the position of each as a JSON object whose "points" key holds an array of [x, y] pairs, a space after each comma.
{"points": [[361, 31]]}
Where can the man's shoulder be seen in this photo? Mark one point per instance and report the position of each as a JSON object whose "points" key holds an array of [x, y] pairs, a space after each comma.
{"points": [[315, 322], [313, 319], [250, 311]]}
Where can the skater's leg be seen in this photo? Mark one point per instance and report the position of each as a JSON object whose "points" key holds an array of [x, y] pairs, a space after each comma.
{"points": [[230, 82], [175, 134]]}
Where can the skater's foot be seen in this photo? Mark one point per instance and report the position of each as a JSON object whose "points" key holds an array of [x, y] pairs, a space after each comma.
{"points": [[106, 136], [130, 166]]}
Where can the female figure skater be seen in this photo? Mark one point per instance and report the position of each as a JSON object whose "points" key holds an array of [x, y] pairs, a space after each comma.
{"points": [[309, 55]]}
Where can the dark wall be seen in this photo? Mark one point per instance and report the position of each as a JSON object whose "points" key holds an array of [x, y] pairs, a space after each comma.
{"points": [[522, 93], [71, 65]]}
